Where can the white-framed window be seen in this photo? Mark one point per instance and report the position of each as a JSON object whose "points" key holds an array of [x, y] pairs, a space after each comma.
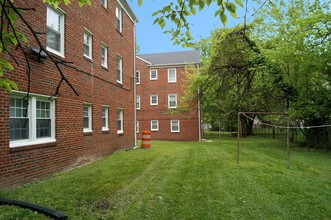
{"points": [[87, 44], [172, 76], [87, 117], [119, 18], [137, 124], [104, 55], [174, 126], [137, 77], [154, 125], [33, 123], [138, 102], [120, 129], [104, 3], [153, 74], [55, 31], [105, 110], [153, 99], [119, 69], [172, 101]]}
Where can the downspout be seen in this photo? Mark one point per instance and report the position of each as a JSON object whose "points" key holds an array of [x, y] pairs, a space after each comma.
{"points": [[134, 86], [199, 109]]}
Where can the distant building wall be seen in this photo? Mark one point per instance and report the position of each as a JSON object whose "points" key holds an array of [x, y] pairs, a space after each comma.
{"points": [[188, 121]]}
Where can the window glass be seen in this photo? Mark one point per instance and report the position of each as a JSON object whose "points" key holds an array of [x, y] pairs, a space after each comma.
{"points": [[19, 124], [87, 44], [119, 69], [54, 31]]}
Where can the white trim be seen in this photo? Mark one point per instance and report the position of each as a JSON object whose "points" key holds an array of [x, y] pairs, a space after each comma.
{"points": [[121, 69], [173, 94], [32, 109], [104, 3], [151, 99], [89, 129], [143, 60], [127, 8], [104, 46], [88, 33], [106, 128], [121, 131], [150, 74], [175, 131], [137, 71], [138, 101], [61, 14], [169, 69], [119, 10], [157, 125]]}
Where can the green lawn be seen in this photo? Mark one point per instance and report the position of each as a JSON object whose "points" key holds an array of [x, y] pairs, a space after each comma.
{"points": [[186, 180]]}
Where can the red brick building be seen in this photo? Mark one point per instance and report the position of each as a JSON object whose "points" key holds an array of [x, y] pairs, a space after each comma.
{"points": [[65, 131], [159, 83]]}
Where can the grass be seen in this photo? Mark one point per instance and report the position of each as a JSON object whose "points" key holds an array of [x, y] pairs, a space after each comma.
{"points": [[187, 180]]}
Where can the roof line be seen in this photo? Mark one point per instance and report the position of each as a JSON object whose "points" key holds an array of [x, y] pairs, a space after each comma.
{"points": [[128, 10], [144, 60], [173, 64]]}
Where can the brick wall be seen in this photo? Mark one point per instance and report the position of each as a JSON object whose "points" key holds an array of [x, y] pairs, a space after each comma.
{"points": [[95, 85], [189, 126]]}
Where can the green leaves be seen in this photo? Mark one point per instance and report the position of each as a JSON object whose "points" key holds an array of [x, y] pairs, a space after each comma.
{"points": [[8, 84], [55, 3], [177, 12]]}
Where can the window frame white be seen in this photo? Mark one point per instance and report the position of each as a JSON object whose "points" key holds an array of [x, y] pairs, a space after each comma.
{"points": [[156, 123], [175, 72], [121, 111], [171, 126], [106, 108], [151, 99], [90, 43], [61, 21], [137, 77], [119, 18], [138, 102], [169, 101], [119, 57], [32, 116], [89, 128], [104, 48], [150, 74], [104, 3]]}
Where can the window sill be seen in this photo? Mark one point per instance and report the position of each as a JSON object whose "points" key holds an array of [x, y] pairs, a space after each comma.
{"points": [[105, 131], [104, 7], [105, 68], [88, 58], [88, 133], [30, 146], [120, 133], [56, 53], [119, 83], [120, 31]]}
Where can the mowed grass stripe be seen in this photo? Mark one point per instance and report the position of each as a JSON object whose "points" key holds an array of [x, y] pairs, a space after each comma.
{"points": [[188, 180]]}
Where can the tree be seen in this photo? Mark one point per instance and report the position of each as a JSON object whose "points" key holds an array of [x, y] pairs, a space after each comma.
{"points": [[297, 41], [11, 38], [176, 12], [234, 78]]}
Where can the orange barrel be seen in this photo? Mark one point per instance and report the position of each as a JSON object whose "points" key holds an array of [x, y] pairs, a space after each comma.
{"points": [[146, 140]]}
